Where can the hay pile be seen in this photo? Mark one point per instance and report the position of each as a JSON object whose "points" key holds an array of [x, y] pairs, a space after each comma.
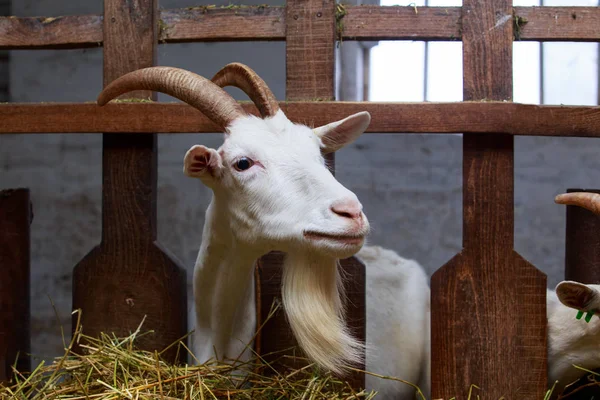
{"points": [[112, 368]]}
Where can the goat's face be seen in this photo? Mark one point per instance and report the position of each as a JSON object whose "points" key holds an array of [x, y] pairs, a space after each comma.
{"points": [[271, 179]]}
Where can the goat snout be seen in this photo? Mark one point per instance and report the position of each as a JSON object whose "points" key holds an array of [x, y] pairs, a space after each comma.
{"points": [[351, 209]]}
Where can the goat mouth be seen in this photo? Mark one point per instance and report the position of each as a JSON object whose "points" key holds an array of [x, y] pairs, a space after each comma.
{"points": [[352, 239]]}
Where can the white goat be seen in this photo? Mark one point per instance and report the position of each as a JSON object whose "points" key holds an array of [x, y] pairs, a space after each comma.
{"points": [[273, 191]]}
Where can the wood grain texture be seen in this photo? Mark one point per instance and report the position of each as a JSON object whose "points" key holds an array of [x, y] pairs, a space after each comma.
{"points": [[578, 24], [582, 245], [276, 337], [310, 46], [67, 32], [401, 23], [464, 117], [129, 276], [559, 23], [15, 219], [488, 305], [255, 23], [235, 23], [310, 68]]}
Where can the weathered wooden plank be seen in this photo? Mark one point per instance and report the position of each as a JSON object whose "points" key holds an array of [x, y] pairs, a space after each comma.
{"points": [[310, 49], [232, 23], [15, 219], [67, 32], [254, 23], [558, 23], [444, 23], [400, 23], [488, 307], [582, 246], [129, 276], [463, 117]]}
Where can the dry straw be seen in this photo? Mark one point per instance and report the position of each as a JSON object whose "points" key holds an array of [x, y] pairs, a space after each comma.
{"points": [[113, 368]]}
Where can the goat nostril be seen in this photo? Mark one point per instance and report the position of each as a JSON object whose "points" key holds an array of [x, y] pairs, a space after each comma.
{"points": [[344, 214], [347, 210]]}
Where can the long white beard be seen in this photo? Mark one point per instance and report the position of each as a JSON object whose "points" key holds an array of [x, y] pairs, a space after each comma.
{"points": [[312, 294]]}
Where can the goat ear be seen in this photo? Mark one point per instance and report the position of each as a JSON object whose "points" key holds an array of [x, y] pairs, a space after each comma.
{"points": [[578, 296], [337, 134], [202, 162]]}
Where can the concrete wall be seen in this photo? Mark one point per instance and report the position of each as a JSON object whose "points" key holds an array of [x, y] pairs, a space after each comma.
{"points": [[411, 186]]}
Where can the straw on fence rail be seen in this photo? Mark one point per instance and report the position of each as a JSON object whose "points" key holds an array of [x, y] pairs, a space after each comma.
{"points": [[254, 23]]}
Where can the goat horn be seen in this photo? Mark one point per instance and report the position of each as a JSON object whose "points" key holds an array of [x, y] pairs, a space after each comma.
{"points": [[243, 77], [589, 201], [184, 85]]}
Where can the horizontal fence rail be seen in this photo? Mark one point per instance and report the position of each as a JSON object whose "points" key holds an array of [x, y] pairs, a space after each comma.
{"points": [[460, 117], [263, 23]]}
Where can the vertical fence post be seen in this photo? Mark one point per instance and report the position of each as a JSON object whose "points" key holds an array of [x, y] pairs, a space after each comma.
{"points": [[582, 245], [129, 276], [488, 305], [310, 71], [15, 219]]}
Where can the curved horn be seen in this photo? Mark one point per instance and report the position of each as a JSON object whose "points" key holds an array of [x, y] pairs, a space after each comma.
{"points": [[589, 201], [184, 85], [243, 77]]}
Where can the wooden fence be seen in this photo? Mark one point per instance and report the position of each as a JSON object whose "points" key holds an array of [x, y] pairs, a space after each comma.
{"points": [[488, 303]]}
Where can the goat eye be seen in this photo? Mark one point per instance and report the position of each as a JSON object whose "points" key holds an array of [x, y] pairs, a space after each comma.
{"points": [[243, 164]]}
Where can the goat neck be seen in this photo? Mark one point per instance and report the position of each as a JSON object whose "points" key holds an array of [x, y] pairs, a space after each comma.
{"points": [[223, 292]]}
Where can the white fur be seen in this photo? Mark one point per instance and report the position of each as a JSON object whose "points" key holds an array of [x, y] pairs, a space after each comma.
{"points": [[271, 206]]}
